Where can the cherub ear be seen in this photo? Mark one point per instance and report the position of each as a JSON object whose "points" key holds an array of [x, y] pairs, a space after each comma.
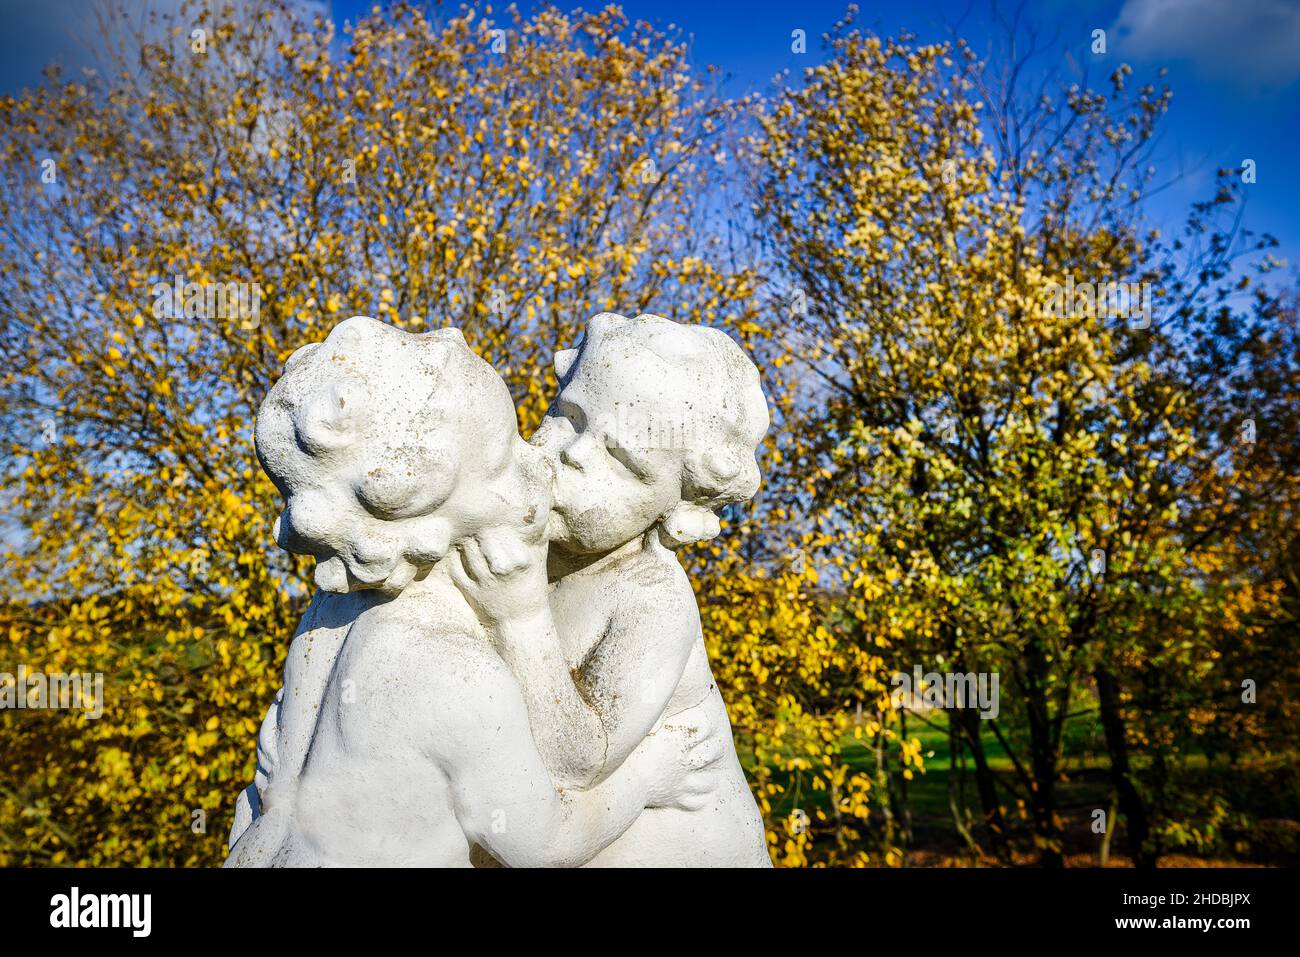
{"points": [[564, 362], [688, 523], [332, 575], [332, 418]]}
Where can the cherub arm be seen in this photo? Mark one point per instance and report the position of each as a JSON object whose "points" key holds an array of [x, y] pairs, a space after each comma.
{"points": [[510, 595], [587, 725], [634, 669], [569, 730], [503, 796], [505, 800]]}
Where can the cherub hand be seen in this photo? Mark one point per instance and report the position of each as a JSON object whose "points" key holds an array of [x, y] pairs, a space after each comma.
{"points": [[682, 757], [502, 576]]}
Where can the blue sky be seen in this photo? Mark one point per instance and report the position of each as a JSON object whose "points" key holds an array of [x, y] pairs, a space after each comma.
{"points": [[1234, 66]]}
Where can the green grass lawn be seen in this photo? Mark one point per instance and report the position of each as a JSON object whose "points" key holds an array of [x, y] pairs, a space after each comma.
{"points": [[1263, 789]]}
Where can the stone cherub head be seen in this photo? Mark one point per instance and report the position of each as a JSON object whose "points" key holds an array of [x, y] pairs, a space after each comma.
{"points": [[388, 448], [656, 422]]}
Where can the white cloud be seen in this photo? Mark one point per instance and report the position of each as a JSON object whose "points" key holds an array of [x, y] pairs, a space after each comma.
{"points": [[1249, 42]]}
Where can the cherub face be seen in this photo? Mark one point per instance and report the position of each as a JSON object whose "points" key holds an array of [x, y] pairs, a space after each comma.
{"points": [[617, 445]]}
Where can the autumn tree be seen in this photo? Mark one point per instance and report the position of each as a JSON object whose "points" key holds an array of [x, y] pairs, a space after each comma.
{"points": [[509, 176], [1005, 475]]}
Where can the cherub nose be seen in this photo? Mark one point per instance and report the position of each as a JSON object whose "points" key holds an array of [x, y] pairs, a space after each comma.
{"points": [[553, 434], [576, 453]]}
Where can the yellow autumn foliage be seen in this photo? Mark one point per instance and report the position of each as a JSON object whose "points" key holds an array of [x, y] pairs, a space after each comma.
{"points": [[948, 451]]}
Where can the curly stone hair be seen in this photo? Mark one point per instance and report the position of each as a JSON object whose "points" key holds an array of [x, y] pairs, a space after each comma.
{"points": [[370, 436]]}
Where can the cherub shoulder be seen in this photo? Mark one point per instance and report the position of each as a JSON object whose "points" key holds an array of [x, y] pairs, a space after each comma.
{"points": [[654, 587], [411, 666]]}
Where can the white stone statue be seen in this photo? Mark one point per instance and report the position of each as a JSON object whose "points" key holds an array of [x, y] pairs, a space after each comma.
{"points": [[503, 663]]}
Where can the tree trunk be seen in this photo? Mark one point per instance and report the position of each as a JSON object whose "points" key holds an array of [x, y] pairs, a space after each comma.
{"points": [[1042, 760], [1112, 813], [1130, 800], [985, 783], [956, 796], [903, 808]]}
